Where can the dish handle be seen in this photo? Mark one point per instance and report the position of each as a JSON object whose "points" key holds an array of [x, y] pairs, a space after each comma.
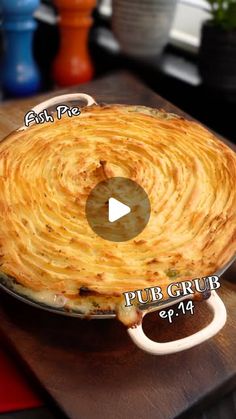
{"points": [[89, 100], [156, 348]]}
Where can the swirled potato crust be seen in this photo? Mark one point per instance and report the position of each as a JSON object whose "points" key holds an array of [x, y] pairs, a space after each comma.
{"points": [[48, 171]]}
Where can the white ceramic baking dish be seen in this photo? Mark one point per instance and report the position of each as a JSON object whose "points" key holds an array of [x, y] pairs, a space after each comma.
{"points": [[136, 333]]}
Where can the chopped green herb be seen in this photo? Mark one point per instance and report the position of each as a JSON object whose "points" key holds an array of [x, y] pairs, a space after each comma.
{"points": [[172, 273]]}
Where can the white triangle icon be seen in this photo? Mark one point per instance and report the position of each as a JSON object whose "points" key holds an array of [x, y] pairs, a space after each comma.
{"points": [[116, 210]]}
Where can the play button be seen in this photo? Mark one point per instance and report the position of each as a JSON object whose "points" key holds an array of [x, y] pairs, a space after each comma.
{"points": [[118, 209]]}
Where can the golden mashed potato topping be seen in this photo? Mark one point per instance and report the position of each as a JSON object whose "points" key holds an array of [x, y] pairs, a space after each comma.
{"points": [[48, 171]]}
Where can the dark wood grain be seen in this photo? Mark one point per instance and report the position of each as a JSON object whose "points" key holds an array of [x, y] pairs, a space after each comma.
{"points": [[91, 368]]}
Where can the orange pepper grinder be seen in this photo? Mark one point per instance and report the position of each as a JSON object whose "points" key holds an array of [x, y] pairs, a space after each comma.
{"points": [[73, 64]]}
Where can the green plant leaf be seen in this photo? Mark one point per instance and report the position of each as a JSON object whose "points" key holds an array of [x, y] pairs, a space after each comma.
{"points": [[230, 16], [223, 13]]}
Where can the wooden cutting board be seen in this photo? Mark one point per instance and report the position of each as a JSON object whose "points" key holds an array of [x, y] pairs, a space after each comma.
{"points": [[91, 368]]}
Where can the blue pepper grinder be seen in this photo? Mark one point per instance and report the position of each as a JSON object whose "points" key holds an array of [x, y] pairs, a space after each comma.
{"points": [[20, 75]]}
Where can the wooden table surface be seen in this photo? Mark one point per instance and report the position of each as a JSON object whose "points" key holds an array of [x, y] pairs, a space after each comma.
{"points": [[91, 368]]}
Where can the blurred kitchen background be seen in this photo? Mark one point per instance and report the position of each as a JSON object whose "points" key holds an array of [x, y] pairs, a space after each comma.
{"points": [[185, 50]]}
